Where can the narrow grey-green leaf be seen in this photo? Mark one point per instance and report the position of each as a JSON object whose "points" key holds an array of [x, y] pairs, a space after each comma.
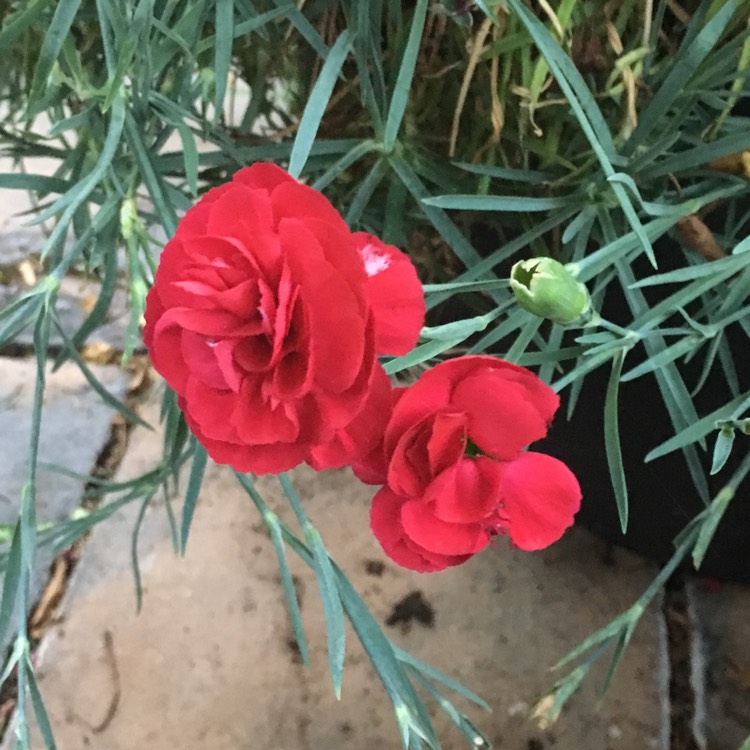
{"points": [[664, 357], [57, 30], [402, 88], [20, 20], [459, 329], [722, 449], [42, 719], [11, 584], [612, 441], [287, 584], [708, 528], [224, 21], [435, 674], [683, 67], [195, 480], [696, 430], [317, 103], [332, 608], [513, 203]]}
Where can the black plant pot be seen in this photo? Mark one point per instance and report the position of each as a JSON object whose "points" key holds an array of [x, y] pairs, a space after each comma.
{"points": [[662, 497]]}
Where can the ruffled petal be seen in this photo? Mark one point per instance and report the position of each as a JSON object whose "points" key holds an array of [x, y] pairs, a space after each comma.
{"points": [[394, 293], [361, 436], [506, 410], [385, 521], [263, 175], [334, 317], [428, 531], [467, 492], [256, 459], [540, 495]]}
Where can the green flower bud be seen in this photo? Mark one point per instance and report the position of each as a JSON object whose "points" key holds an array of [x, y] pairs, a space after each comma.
{"points": [[546, 288]]}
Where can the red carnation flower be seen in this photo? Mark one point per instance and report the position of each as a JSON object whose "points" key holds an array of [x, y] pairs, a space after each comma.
{"points": [[454, 472], [266, 317]]}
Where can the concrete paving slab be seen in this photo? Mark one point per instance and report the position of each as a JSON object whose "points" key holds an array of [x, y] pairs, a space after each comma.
{"points": [[208, 662], [75, 425], [20, 271]]}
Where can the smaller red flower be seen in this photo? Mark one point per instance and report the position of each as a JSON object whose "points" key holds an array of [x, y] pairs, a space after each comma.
{"points": [[454, 469]]}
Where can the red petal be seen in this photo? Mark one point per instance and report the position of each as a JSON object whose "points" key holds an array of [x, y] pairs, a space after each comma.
{"points": [[263, 175], [447, 442], [427, 448], [258, 459], [507, 409], [467, 492], [427, 396], [211, 410], [541, 495], [194, 222], [211, 363], [165, 350], [394, 293], [154, 311], [338, 409], [360, 437], [213, 323], [409, 471], [328, 300], [245, 215], [385, 521], [422, 527], [298, 201], [373, 468], [258, 420]]}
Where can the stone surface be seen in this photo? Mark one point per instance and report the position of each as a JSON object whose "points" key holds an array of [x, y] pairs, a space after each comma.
{"points": [[208, 662], [20, 271], [75, 425], [721, 649]]}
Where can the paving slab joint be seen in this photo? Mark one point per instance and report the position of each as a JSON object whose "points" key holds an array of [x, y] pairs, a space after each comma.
{"points": [[686, 665]]}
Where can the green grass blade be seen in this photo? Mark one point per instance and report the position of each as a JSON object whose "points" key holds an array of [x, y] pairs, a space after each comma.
{"points": [[664, 357], [305, 29], [79, 194], [332, 608], [437, 217], [461, 722], [37, 183]]}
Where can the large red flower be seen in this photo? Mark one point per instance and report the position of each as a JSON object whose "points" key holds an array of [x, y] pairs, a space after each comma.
{"points": [[454, 469], [266, 317]]}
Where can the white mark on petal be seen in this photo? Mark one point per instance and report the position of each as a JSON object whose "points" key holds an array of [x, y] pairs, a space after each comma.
{"points": [[375, 263]]}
